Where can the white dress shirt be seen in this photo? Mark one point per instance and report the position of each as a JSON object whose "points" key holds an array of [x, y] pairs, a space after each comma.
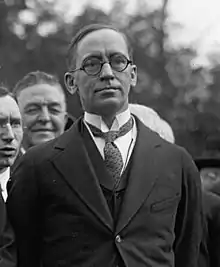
{"points": [[4, 177], [124, 143]]}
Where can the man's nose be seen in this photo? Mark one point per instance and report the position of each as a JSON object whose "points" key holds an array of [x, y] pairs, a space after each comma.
{"points": [[106, 72], [8, 134], [44, 116]]}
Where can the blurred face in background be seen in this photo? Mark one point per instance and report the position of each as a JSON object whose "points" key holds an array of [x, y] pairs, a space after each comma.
{"points": [[11, 132], [43, 110], [209, 177]]}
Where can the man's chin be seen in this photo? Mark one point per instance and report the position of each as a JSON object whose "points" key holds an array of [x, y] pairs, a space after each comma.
{"points": [[42, 139], [110, 106], [8, 162]]}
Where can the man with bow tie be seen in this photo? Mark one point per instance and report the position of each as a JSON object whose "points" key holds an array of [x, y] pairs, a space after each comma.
{"points": [[108, 192]]}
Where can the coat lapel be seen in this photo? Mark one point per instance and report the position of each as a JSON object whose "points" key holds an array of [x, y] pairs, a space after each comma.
{"points": [[76, 168], [143, 174]]}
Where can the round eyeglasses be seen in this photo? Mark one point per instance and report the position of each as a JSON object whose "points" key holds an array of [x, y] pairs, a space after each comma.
{"points": [[93, 65]]}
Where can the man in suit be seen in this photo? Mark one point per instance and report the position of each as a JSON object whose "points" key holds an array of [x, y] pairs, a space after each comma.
{"points": [[42, 103], [210, 245], [10, 140], [108, 192]]}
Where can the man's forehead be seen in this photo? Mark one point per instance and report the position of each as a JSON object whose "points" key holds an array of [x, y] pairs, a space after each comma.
{"points": [[42, 102], [41, 94], [105, 38], [9, 107], [10, 115]]}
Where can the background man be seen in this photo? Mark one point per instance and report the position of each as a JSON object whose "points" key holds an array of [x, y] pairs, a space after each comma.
{"points": [[210, 245], [42, 103], [152, 120], [108, 192], [10, 140]]}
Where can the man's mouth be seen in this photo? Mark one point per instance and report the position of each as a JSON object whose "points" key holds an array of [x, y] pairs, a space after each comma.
{"points": [[8, 151], [42, 130], [107, 88]]}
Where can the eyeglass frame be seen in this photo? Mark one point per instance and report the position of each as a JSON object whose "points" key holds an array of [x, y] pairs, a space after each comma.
{"points": [[101, 64]]}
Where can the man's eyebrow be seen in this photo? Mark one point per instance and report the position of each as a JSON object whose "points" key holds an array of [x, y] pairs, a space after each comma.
{"points": [[3, 119], [32, 104], [39, 104], [10, 120], [54, 102], [15, 118], [91, 55]]}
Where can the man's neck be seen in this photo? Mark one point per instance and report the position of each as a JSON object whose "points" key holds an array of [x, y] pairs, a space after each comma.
{"points": [[26, 145], [109, 114], [108, 121]]}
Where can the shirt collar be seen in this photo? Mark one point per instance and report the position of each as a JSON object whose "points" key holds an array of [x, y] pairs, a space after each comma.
{"points": [[97, 121], [22, 150], [5, 175]]}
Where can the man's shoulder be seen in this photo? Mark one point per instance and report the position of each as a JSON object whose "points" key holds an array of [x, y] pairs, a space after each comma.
{"points": [[210, 199], [211, 205]]}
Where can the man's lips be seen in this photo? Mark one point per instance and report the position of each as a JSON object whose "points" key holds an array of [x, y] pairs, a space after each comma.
{"points": [[8, 148], [107, 88], [8, 151], [42, 130]]}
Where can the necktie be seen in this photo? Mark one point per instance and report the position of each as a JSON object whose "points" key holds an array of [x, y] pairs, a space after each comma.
{"points": [[113, 158]]}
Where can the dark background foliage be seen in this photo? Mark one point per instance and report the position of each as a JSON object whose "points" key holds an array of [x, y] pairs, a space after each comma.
{"points": [[35, 35]]}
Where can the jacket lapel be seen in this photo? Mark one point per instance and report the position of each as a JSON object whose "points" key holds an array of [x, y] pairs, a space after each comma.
{"points": [[143, 174], [76, 168]]}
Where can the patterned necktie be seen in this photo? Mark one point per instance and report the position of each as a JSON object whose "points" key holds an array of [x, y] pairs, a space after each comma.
{"points": [[113, 158]]}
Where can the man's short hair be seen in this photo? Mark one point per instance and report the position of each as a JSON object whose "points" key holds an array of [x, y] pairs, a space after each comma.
{"points": [[72, 51], [36, 77]]}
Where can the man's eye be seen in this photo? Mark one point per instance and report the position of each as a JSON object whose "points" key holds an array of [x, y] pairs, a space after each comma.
{"points": [[31, 111], [54, 110], [118, 60], [16, 124], [3, 124], [91, 63]]}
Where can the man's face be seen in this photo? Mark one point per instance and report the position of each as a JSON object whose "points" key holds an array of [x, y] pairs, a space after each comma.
{"points": [[108, 91], [11, 132], [43, 111], [209, 177]]}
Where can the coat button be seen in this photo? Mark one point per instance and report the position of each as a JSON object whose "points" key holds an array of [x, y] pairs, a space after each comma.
{"points": [[118, 239]]}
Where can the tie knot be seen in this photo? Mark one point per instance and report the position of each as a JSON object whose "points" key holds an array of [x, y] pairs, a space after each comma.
{"points": [[111, 136]]}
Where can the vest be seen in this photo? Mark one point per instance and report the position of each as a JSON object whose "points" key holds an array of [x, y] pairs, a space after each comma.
{"points": [[114, 200]]}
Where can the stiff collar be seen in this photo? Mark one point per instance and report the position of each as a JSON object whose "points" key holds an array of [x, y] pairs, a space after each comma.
{"points": [[22, 150], [5, 173], [97, 121]]}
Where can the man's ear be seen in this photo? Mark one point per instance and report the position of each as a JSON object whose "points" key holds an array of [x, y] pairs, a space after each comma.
{"points": [[133, 76], [66, 117], [69, 81]]}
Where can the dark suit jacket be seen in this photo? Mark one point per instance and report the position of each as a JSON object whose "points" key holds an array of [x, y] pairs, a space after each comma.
{"points": [[7, 241], [210, 246], [61, 217]]}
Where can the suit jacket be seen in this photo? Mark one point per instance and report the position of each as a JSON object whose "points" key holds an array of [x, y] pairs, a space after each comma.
{"points": [[210, 245], [61, 217], [7, 241]]}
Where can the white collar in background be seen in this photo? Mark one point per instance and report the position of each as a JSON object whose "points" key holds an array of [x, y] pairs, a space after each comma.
{"points": [[4, 177], [22, 150]]}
